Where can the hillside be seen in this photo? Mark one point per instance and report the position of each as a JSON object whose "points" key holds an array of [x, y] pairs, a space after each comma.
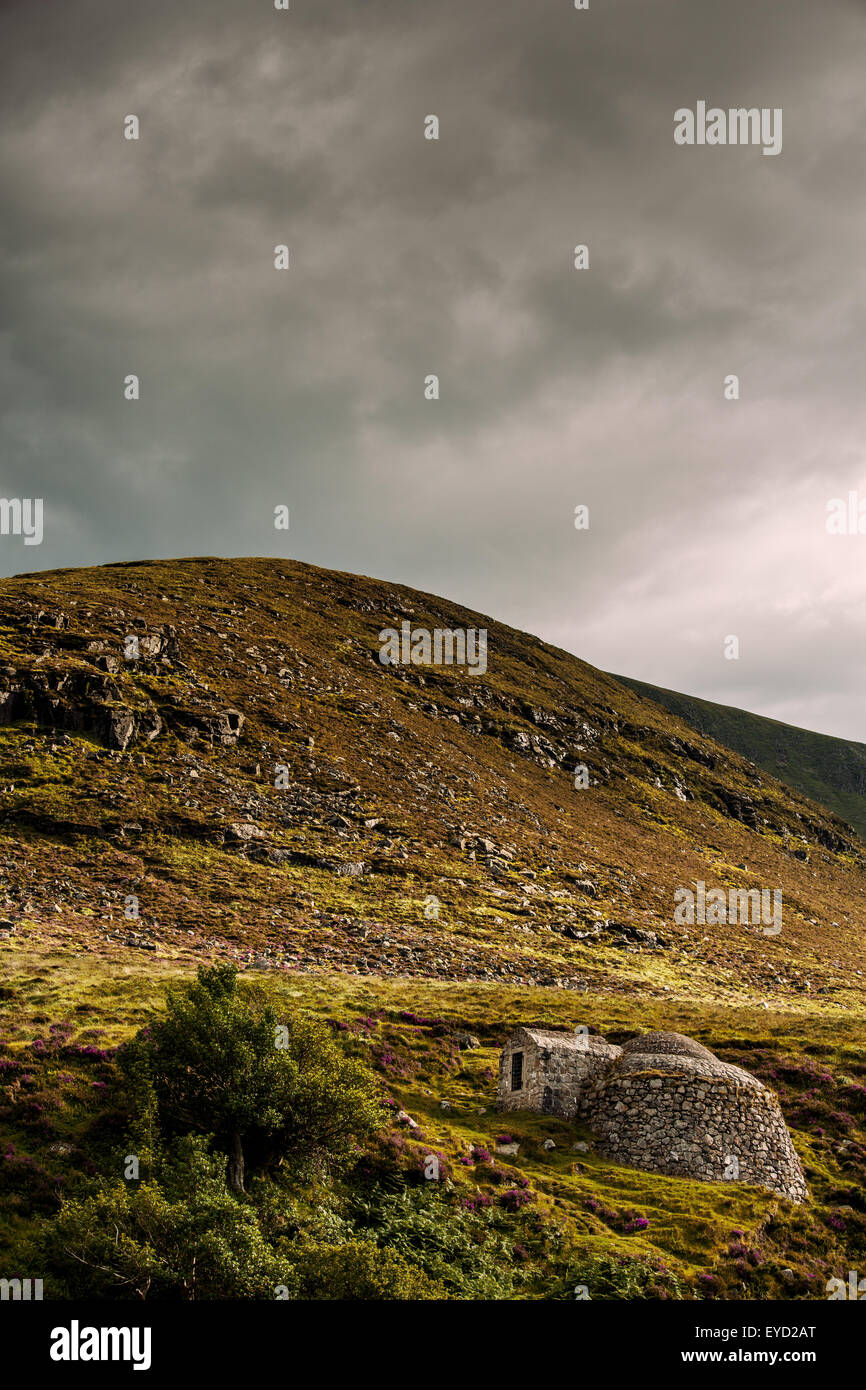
{"points": [[402, 852], [154, 777], [831, 771]]}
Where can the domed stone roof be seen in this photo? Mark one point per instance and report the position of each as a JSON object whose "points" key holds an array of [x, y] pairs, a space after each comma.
{"points": [[663, 1102], [677, 1043], [669, 1105], [677, 1054]]}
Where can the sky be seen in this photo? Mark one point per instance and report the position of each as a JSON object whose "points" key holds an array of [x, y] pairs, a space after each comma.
{"points": [[409, 257]]}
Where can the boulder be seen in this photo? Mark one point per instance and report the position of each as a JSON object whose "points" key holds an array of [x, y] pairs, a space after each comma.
{"points": [[243, 831]]}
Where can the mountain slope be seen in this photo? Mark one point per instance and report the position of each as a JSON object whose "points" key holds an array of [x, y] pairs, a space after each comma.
{"points": [[206, 760], [256, 784], [832, 771]]}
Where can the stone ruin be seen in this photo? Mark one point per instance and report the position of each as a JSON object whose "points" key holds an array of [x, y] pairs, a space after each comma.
{"points": [[662, 1102]]}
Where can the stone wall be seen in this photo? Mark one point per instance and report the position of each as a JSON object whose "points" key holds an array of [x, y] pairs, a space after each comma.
{"points": [[557, 1068], [663, 1102], [695, 1127]]}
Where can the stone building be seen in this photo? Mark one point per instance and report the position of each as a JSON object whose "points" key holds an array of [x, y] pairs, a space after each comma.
{"points": [[662, 1102], [549, 1071]]}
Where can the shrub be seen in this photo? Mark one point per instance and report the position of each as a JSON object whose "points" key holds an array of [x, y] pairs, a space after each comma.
{"points": [[622, 1277], [460, 1247], [514, 1199], [181, 1237], [358, 1269], [212, 1066]]}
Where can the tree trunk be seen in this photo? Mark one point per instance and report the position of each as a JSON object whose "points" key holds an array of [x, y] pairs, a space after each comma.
{"points": [[236, 1166]]}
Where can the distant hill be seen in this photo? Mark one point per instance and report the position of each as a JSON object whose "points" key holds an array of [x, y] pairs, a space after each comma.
{"points": [[831, 771]]}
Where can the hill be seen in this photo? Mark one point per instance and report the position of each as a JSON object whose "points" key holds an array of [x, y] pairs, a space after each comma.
{"points": [[206, 761], [831, 771], [258, 782]]}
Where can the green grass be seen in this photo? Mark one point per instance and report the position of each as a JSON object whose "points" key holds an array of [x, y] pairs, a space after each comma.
{"points": [[587, 1200]]}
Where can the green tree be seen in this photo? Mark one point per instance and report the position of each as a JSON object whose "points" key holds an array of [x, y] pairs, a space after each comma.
{"points": [[267, 1085], [179, 1235]]}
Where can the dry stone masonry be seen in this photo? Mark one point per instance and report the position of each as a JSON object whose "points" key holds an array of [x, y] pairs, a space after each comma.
{"points": [[550, 1071], [662, 1102]]}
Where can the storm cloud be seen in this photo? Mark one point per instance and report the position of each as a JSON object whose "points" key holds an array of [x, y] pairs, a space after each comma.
{"points": [[454, 257]]}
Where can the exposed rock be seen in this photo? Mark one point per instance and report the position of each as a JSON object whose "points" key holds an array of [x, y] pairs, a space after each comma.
{"points": [[244, 831], [585, 885], [222, 728], [121, 727]]}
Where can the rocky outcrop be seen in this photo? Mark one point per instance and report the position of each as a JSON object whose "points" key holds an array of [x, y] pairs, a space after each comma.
{"points": [[220, 728], [81, 702], [97, 691]]}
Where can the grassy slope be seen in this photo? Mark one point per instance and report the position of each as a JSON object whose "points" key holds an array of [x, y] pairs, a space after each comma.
{"points": [[717, 1239], [405, 768], [831, 771]]}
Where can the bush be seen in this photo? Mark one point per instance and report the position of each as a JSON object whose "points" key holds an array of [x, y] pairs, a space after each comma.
{"points": [[25, 1186], [182, 1237], [212, 1065], [461, 1248], [625, 1277], [359, 1270]]}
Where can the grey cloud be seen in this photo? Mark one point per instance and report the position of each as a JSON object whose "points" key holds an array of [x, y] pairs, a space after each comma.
{"points": [[411, 257]]}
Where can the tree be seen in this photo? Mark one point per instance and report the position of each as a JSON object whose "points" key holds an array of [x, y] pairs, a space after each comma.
{"points": [[267, 1085]]}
